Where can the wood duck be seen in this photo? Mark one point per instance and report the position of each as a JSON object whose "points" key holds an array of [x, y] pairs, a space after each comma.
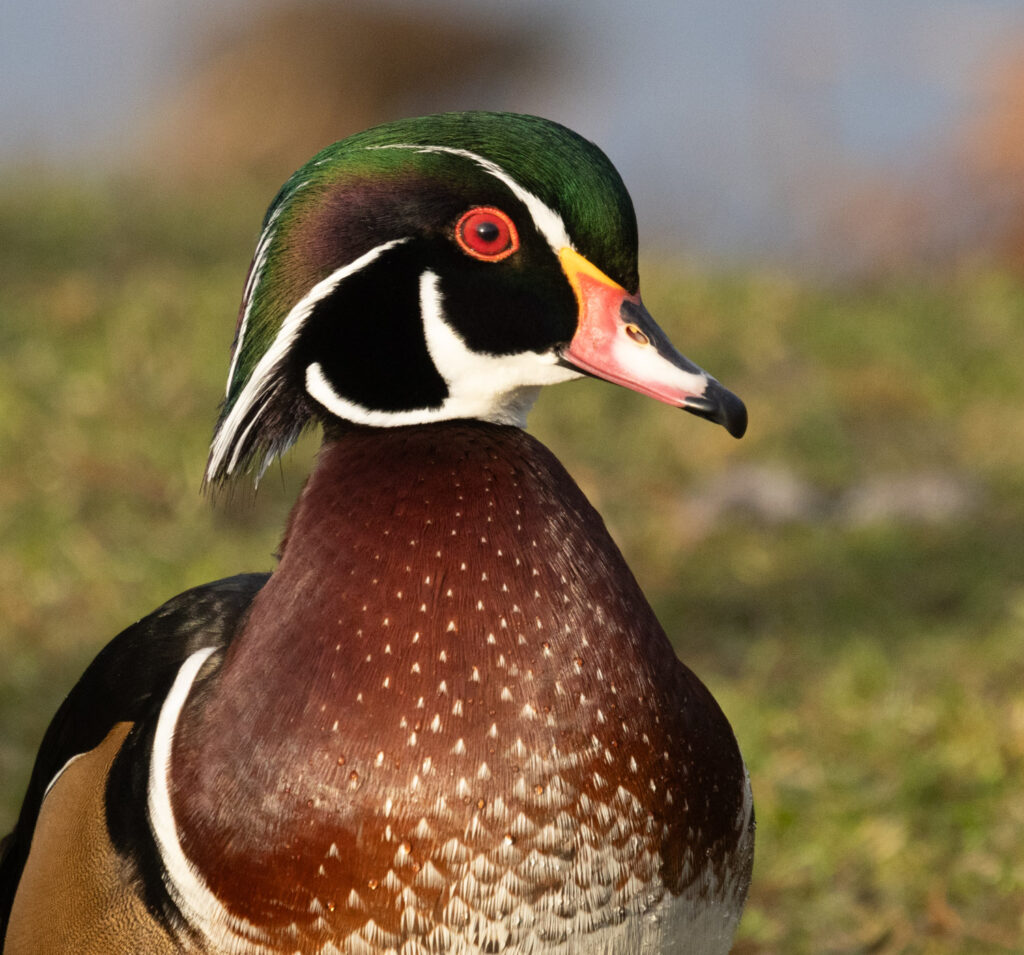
{"points": [[448, 722]]}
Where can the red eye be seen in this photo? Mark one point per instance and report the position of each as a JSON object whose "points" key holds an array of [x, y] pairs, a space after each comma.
{"points": [[487, 233]]}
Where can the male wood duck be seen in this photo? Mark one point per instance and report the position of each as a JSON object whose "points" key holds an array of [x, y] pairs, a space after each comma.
{"points": [[448, 722]]}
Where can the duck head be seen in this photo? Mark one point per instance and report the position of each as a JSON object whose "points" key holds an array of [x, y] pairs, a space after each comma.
{"points": [[439, 268]]}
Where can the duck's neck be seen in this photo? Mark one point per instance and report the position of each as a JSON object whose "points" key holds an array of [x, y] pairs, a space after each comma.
{"points": [[458, 548]]}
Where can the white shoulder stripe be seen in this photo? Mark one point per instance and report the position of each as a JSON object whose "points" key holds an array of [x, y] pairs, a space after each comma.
{"points": [[201, 908]]}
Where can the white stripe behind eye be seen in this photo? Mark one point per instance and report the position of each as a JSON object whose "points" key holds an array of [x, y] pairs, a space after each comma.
{"points": [[227, 448], [259, 260], [261, 380], [547, 221]]}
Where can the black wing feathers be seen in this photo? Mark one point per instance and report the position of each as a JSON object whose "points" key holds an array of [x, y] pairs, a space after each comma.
{"points": [[125, 682]]}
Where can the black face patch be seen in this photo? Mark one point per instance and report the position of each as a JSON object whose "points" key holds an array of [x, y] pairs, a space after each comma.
{"points": [[367, 336], [522, 304]]}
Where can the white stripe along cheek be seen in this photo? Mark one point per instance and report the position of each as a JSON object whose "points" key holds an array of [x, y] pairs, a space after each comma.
{"points": [[497, 388], [548, 222], [259, 389]]}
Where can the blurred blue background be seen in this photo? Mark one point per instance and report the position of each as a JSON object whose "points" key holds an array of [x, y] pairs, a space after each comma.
{"points": [[742, 129]]}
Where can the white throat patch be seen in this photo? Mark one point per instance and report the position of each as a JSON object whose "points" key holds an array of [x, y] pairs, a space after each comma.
{"points": [[497, 388]]}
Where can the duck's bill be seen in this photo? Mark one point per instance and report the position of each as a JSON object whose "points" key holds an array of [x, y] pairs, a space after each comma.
{"points": [[617, 340]]}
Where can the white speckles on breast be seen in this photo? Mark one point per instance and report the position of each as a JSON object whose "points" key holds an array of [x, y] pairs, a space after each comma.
{"points": [[497, 840], [518, 750]]}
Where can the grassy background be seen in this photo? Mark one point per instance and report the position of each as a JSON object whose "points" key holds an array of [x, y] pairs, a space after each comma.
{"points": [[872, 667]]}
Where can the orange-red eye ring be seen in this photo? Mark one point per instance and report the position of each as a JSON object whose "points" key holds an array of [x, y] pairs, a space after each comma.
{"points": [[487, 234]]}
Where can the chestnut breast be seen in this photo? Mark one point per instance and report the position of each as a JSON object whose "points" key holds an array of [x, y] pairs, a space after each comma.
{"points": [[451, 709]]}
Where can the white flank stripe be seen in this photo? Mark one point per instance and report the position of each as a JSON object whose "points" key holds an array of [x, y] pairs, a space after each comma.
{"points": [[260, 382], [60, 772], [201, 908], [544, 217]]}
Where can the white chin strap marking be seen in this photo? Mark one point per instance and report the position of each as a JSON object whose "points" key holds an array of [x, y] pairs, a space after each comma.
{"points": [[497, 388]]}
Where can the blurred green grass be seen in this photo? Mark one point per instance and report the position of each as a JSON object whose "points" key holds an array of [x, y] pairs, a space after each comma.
{"points": [[872, 669]]}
